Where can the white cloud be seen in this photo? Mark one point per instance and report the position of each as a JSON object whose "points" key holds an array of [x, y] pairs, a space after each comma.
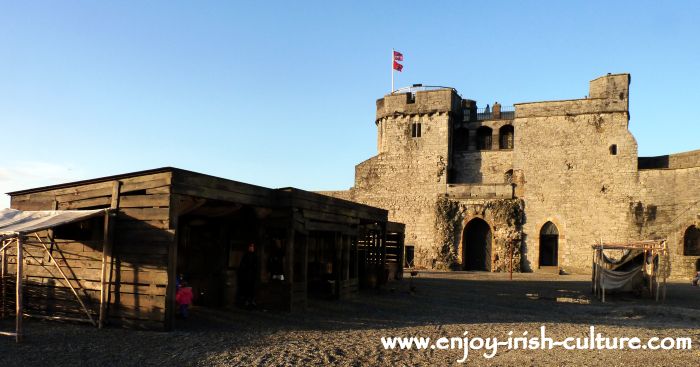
{"points": [[29, 174]]}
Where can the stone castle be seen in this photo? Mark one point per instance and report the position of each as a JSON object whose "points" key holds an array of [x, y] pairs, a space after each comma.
{"points": [[530, 187]]}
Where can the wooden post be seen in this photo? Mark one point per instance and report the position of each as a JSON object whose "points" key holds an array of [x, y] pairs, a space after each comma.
{"points": [[603, 272], [510, 259], [3, 274], [107, 243], [305, 269], [593, 271], [346, 260], [19, 302], [650, 270], [106, 262], [170, 304], [383, 246], [356, 264], [338, 261], [289, 257], [656, 275], [666, 268], [402, 251]]}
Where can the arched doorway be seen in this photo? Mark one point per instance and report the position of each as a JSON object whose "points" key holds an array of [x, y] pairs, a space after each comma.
{"points": [[549, 245], [476, 245]]}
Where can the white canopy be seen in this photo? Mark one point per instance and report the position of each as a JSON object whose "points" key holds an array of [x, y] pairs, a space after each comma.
{"points": [[19, 222]]}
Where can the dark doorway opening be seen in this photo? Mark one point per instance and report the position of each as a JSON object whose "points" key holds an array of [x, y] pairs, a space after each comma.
{"points": [[549, 245], [476, 243], [410, 254], [212, 241]]}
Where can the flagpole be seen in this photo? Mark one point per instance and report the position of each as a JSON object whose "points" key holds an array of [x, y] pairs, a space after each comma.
{"points": [[392, 71]]}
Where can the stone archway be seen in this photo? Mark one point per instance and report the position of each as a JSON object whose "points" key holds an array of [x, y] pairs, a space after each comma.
{"points": [[476, 245], [549, 245]]}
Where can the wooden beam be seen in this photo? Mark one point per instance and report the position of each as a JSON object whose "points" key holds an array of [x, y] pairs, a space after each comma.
{"points": [[108, 240]]}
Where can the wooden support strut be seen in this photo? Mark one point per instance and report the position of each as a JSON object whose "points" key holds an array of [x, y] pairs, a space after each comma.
{"points": [[80, 300]]}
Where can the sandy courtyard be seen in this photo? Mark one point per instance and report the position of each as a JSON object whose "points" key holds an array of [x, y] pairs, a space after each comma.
{"points": [[348, 332]]}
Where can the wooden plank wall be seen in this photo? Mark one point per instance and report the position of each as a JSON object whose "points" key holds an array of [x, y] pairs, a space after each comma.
{"points": [[143, 237]]}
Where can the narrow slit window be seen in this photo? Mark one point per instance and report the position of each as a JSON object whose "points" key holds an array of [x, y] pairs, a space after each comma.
{"points": [[613, 149]]}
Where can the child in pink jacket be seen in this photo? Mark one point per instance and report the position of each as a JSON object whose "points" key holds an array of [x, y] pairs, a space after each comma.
{"points": [[183, 297]]}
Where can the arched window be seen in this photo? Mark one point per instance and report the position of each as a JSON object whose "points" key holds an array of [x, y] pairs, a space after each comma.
{"points": [[691, 241], [483, 138], [506, 137], [461, 139]]}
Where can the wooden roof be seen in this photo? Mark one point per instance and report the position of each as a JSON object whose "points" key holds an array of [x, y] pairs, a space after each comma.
{"points": [[633, 245], [216, 188]]}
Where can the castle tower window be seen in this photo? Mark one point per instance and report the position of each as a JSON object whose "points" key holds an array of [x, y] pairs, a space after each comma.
{"points": [[613, 149], [691, 241], [416, 130], [506, 134], [483, 138], [461, 139]]}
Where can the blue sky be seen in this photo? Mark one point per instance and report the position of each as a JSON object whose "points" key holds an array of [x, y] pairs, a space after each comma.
{"points": [[283, 93]]}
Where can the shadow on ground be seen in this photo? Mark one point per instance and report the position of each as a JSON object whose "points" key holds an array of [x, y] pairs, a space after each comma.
{"points": [[438, 299]]}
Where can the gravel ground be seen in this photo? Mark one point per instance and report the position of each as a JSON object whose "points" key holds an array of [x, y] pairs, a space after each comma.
{"points": [[348, 332]]}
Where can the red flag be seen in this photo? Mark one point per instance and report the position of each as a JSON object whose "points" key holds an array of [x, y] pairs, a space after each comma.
{"points": [[398, 56], [397, 66]]}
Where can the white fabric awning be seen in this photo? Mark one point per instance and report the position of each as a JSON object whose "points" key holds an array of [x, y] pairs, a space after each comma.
{"points": [[20, 222]]}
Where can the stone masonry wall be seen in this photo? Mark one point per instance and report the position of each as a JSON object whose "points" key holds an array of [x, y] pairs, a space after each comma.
{"points": [[571, 179], [486, 166], [569, 176], [667, 203]]}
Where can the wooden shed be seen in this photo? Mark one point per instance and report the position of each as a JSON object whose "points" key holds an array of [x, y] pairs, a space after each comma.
{"points": [[173, 223]]}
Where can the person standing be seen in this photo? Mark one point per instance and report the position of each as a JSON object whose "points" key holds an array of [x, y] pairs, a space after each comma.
{"points": [[183, 297], [248, 277]]}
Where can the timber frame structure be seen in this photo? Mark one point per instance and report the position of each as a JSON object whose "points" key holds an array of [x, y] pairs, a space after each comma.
{"points": [[28, 246], [170, 222], [655, 264]]}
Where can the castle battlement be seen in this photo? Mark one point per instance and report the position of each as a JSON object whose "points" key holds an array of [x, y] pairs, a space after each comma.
{"points": [[415, 102]]}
